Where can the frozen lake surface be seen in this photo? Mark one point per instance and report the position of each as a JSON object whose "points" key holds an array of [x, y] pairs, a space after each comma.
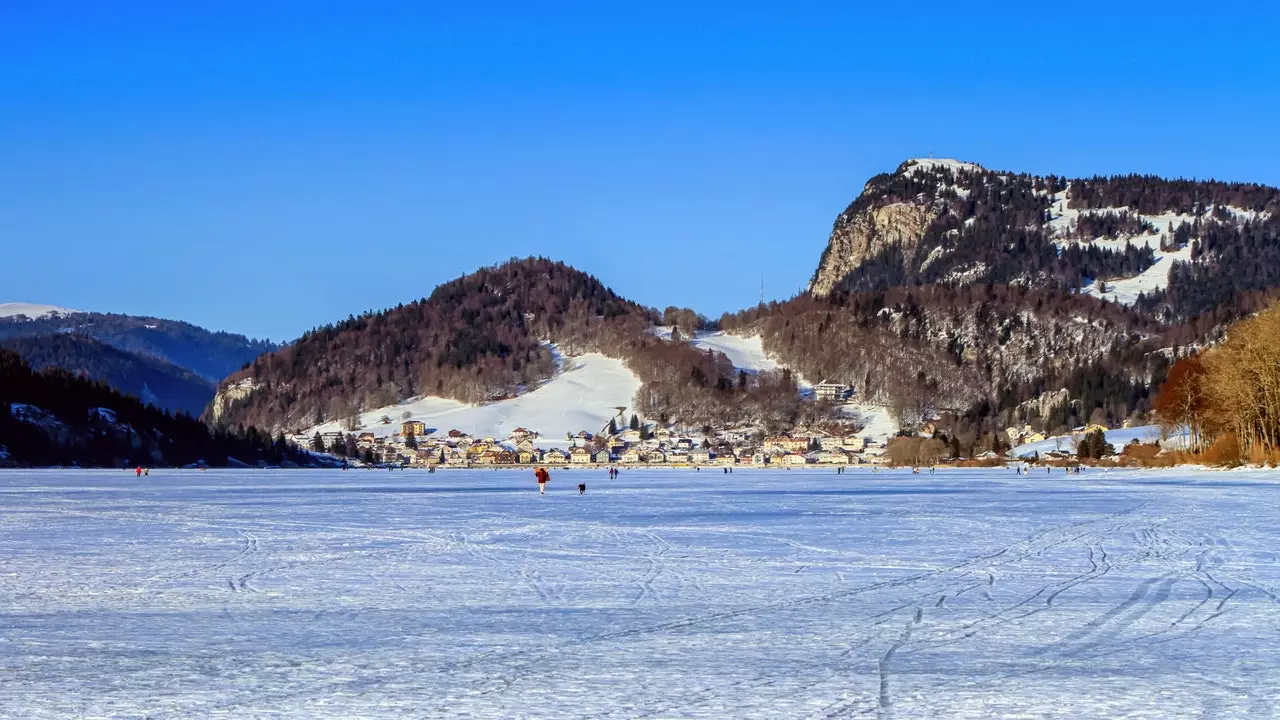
{"points": [[663, 594]]}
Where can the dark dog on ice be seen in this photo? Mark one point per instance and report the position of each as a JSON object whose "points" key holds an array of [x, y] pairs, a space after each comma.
{"points": [[582, 488]]}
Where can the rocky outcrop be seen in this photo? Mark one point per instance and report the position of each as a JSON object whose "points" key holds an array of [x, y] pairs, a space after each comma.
{"points": [[228, 395], [862, 234], [1040, 407]]}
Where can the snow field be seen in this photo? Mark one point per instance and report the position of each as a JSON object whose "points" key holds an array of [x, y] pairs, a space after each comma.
{"points": [[663, 594], [583, 396], [1067, 443], [32, 311]]}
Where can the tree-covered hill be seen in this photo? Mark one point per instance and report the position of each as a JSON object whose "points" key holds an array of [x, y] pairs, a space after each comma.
{"points": [[54, 417]]}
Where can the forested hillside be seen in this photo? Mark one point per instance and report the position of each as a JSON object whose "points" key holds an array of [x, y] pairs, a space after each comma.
{"points": [[54, 417], [477, 338], [211, 355], [153, 381]]}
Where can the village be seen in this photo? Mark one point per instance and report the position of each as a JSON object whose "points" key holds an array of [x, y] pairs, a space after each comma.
{"points": [[416, 445]]}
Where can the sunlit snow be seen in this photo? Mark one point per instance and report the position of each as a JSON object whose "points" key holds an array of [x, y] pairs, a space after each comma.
{"points": [[584, 395], [1125, 291], [663, 594], [32, 311]]}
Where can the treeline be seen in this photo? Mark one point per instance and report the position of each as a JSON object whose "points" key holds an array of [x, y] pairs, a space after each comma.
{"points": [[1227, 399], [1089, 226], [1230, 260], [1151, 195], [54, 417]]}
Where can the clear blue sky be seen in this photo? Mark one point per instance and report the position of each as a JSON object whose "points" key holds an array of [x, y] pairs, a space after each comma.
{"points": [[268, 170]]}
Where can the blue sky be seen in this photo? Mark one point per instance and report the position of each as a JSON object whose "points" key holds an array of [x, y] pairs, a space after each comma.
{"points": [[265, 170]]}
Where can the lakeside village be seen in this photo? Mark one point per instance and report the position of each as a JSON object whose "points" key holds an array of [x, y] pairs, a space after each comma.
{"points": [[633, 443], [416, 445]]}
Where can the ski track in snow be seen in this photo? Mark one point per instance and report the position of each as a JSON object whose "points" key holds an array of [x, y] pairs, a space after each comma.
{"points": [[663, 594]]}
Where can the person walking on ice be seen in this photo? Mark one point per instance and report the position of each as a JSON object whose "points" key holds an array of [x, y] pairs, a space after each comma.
{"points": [[543, 478]]}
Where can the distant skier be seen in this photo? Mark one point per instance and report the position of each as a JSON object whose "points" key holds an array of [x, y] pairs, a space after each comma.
{"points": [[582, 488]]}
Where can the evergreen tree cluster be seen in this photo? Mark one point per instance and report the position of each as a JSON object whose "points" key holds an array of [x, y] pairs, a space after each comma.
{"points": [[54, 417], [163, 384]]}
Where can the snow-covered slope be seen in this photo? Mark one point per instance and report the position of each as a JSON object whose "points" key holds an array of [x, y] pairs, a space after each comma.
{"points": [[942, 163], [32, 311], [1067, 443], [1126, 290], [746, 353], [583, 396]]}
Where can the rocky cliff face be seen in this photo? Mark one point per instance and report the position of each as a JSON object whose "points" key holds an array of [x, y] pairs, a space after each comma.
{"points": [[228, 395], [894, 211], [867, 232]]}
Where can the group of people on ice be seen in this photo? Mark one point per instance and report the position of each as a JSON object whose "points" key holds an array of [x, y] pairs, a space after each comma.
{"points": [[543, 477]]}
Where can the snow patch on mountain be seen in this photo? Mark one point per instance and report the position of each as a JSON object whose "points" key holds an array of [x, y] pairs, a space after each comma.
{"points": [[745, 352], [1064, 221], [32, 311], [584, 395], [1125, 291], [941, 163]]}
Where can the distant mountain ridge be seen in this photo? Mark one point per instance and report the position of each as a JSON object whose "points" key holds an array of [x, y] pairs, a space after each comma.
{"points": [[56, 417], [151, 380], [174, 365], [210, 354]]}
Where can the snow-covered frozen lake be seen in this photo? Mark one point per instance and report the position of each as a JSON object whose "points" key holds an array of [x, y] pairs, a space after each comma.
{"points": [[663, 594]]}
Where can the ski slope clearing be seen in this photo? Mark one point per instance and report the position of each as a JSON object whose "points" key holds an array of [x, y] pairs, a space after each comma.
{"points": [[745, 352], [583, 396], [663, 594], [31, 311]]}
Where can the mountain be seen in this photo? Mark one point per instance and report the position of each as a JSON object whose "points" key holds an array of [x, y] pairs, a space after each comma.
{"points": [[153, 381], [173, 365], [1173, 249], [211, 355], [55, 417], [481, 337], [994, 289]]}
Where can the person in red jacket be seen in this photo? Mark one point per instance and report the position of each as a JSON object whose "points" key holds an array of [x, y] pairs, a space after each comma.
{"points": [[543, 478]]}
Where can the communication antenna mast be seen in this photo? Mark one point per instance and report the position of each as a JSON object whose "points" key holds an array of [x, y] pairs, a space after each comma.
{"points": [[762, 288]]}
